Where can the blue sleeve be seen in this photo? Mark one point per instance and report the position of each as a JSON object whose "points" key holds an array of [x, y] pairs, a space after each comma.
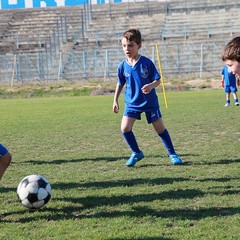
{"points": [[154, 71], [3, 150], [121, 77], [156, 75], [223, 71]]}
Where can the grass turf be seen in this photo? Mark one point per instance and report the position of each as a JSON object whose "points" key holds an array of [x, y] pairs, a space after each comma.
{"points": [[75, 142]]}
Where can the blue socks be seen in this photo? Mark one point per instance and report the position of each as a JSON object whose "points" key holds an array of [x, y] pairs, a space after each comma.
{"points": [[131, 141], [166, 139]]}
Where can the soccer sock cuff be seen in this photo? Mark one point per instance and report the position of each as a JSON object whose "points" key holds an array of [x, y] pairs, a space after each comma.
{"points": [[166, 139], [131, 141]]}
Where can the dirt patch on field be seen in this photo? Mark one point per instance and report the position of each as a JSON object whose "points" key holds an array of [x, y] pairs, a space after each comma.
{"points": [[200, 83], [99, 88]]}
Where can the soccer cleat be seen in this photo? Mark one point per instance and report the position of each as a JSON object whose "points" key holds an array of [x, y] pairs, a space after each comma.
{"points": [[175, 159], [236, 103], [227, 104], [134, 158]]}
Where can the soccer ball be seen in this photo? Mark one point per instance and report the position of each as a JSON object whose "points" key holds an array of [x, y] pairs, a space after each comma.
{"points": [[34, 191]]}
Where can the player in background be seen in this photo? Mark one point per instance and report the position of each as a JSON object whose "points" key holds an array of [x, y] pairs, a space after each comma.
{"points": [[231, 55], [5, 159], [140, 76], [229, 83]]}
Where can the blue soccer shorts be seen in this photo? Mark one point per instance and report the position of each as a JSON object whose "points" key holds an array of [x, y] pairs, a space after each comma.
{"points": [[150, 116], [3, 150], [230, 89]]}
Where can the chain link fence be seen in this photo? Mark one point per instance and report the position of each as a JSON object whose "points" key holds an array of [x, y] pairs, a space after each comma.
{"points": [[194, 60]]}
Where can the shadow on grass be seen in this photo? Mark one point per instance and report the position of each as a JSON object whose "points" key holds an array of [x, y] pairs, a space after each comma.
{"points": [[187, 160], [143, 238], [6, 189], [119, 183], [76, 212], [39, 162], [224, 162], [226, 179], [92, 201], [96, 159], [85, 207], [135, 182], [219, 162]]}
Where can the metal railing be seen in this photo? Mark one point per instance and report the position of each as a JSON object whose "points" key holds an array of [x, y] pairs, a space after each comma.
{"points": [[178, 61]]}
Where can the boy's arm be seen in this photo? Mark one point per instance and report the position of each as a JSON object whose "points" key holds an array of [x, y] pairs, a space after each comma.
{"points": [[238, 80], [147, 88], [222, 81], [116, 96]]}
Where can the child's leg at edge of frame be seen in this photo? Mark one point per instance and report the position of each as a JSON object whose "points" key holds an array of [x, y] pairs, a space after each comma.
{"points": [[235, 96], [164, 135], [126, 128], [227, 97], [4, 163]]}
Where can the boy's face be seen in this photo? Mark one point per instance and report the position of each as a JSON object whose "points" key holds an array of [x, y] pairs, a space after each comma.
{"points": [[130, 48], [233, 66]]}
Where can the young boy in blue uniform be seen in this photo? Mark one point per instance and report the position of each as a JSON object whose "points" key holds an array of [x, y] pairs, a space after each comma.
{"points": [[5, 160], [141, 77], [230, 86], [231, 55]]}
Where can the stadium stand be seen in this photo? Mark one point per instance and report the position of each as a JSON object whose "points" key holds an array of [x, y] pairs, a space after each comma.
{"points": [[200, 24], [81, 42], [31, 29], [108, 25]]}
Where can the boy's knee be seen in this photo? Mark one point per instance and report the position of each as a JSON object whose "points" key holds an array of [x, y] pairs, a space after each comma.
{"points": [[125, 129], [7, 158]]}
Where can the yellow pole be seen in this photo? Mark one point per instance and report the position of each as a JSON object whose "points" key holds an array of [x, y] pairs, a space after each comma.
{"points": [[160, 68]]}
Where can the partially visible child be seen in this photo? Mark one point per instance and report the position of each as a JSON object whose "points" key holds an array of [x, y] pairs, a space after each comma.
{"points": [[5, 159], [231, 55], [229, 83], [140, 76]]}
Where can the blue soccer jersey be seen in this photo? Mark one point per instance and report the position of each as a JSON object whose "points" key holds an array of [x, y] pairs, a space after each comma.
{"points": [[229, 78], [135, 77]]}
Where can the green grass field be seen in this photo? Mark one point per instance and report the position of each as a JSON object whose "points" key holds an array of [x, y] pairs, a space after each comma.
{"points": [[75, 142]]}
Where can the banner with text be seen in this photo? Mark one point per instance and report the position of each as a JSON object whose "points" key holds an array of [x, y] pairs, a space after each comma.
{"points": [[11, 4]]}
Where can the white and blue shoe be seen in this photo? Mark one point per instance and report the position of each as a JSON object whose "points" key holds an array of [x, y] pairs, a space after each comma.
{"points": [[175, 159], [134, 158]]}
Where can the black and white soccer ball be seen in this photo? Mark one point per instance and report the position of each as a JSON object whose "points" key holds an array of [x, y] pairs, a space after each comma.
{"points": [[34, 191]]}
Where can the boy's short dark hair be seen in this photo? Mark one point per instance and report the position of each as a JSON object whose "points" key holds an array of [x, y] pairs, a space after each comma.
{"points": [[133, 35], [232, 50]]}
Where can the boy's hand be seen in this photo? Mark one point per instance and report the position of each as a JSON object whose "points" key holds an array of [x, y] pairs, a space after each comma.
{"points": [[222, 83], [146, 89], [115, 107], [238, 82]]}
